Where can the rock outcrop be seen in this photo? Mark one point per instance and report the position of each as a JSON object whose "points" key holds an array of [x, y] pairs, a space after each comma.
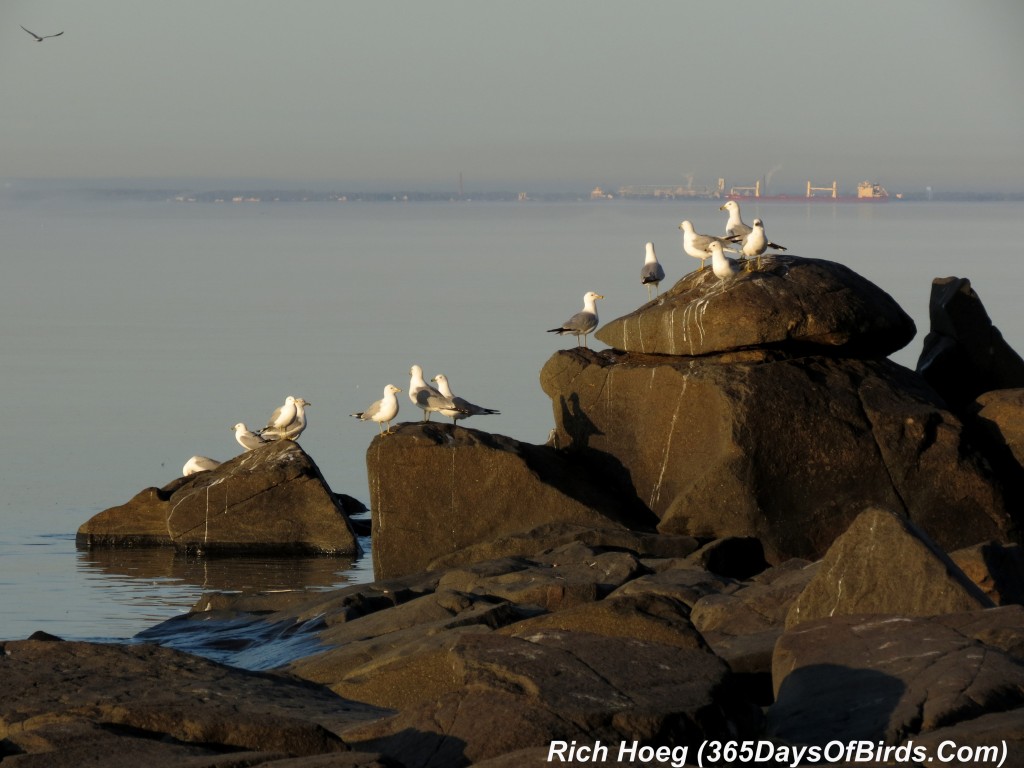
{"points": [[458, 487], [787, 450], [885, 564], [964, 355], [813, 305], [270, 500]]}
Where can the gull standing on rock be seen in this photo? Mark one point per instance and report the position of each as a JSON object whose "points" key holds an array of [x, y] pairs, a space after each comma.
{"points": [[281, 417], [722, 265], [734, 227], [383, 410], [466, 408], [246, 438], [756, 242], [651, 273], [289, 430], [696, 245], [425, 397], [583, 322], [199, 464]]}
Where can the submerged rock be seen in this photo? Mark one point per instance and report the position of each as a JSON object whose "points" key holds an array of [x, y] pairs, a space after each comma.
{"points": [[269, 500], [808, 305]]}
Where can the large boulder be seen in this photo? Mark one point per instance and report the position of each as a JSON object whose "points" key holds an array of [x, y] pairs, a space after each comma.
{"points": [[885, 564], [964, 354], [436, 489], [787, 450], [800, 304], [270, 500]]}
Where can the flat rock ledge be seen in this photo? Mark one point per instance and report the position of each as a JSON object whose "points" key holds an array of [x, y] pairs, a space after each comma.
{"points": [[272, 500], [593, 634]]}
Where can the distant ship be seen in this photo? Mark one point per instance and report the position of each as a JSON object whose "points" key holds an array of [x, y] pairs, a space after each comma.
{"points": [[867, 192]]}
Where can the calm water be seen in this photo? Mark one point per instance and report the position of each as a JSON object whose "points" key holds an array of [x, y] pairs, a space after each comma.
{"points": [[135, 334]]}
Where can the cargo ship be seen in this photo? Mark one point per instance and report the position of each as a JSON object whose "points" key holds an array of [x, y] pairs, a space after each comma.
{"points": [[867, 192]]}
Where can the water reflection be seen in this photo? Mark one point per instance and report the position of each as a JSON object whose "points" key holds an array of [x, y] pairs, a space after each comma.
{"points": [[217, 574]]}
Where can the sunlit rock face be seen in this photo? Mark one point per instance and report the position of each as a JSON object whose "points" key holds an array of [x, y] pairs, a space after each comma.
{"points": [[793, 303]]}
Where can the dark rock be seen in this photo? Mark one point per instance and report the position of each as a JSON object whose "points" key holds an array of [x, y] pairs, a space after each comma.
{"points": [[996, 568], [437, 488], [964, 354], [738, 557], [885, 678], [798, 304], [550, 536], [650, 617], [996, 731], [270, 500], [520, 692], [741, 626], [885, 564], [680, 580], [74, 703], [788, 452]]}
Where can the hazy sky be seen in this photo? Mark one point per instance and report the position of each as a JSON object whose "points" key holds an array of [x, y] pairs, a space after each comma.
{"points": [[528, 94]]}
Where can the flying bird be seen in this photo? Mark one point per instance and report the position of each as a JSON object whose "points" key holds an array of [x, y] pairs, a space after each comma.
{"points": [[651, 273], [467, 408], [583, 322], [381, 411], [39, 38]]}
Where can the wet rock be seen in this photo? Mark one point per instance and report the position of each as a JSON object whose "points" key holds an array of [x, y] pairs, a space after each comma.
{"points": [[436, 489], [787, 451], [964, 354], [886, 565], [270, 500], [72, 703], [793, 303], [885, 678]]}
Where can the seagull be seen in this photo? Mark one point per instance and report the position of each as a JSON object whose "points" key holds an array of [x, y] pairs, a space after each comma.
{"points": [[697, 245], [427, 398], [583, 322], [247, 439], [281, 417], [651, 272], [721, 264], [734, 227], [383, 410], [756, 242], [199, 464], [467, 408], [292, 429], [40, 39]]}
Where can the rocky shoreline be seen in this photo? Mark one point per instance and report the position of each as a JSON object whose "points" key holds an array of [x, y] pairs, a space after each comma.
{"points": [[748, 526]]}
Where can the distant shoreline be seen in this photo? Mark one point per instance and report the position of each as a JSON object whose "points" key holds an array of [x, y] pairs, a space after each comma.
{"points": [[146, 191]]}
